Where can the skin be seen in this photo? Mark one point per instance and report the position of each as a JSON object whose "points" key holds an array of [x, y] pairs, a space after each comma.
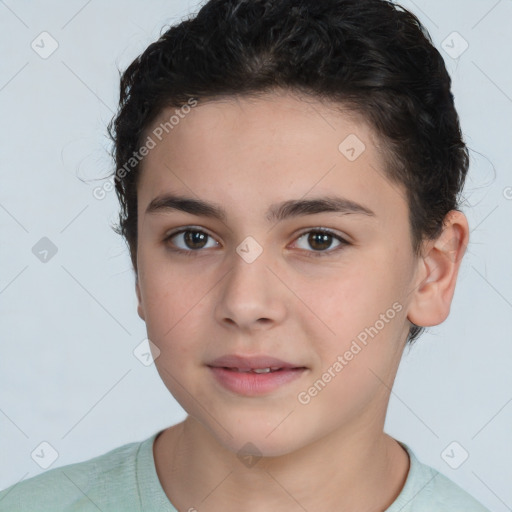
{"points": [[331, 453]]}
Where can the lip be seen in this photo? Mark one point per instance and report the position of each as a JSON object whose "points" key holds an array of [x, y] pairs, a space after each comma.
{"points": [[251, 362], [224, 370]]}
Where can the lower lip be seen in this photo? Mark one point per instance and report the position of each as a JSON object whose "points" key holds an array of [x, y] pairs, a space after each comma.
{"points": [[253, 384]]}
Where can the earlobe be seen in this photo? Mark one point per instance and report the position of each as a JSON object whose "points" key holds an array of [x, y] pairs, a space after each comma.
{"points": [[140, 309], [437, 276]]}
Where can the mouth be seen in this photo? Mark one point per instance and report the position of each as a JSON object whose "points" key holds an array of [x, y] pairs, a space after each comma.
{"points": [[255, 375], [257, 370]]}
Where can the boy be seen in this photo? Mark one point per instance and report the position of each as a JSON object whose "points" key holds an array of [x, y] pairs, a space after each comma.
{"points": [[288, 174]]}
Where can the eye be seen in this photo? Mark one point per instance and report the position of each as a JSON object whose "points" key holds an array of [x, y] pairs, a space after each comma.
{"points": [[192, 240], [321, 239]]}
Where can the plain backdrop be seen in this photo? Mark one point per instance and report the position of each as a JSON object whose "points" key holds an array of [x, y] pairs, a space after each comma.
{"points": [[69, 327]]}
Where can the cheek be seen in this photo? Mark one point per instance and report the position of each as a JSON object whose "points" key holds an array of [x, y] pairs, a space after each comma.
{"points": [[348, 299], [359, 313], [171, 294]]}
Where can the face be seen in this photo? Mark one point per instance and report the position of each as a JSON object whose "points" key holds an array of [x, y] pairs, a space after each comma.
{"points": [[322, 287]]}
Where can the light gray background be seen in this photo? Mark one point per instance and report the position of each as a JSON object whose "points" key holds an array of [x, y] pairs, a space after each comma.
{"points": [[69, 326]]}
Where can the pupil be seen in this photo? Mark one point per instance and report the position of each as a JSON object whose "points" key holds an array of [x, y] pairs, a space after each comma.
{"points": [[323, 239], [319, 241], [192, 237]]}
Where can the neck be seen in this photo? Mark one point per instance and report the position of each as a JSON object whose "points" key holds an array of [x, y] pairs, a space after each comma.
{"points": [[356, 470]]}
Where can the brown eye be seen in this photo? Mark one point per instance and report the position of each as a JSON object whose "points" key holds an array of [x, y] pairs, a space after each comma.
{"points": [[195, 239], [189, 240], [320, 240]]}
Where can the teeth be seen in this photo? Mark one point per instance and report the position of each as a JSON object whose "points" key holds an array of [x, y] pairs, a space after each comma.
{"points": [[258, 370]]}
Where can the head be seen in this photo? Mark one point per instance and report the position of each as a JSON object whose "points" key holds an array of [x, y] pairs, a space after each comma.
{"points": [[249, 105]]}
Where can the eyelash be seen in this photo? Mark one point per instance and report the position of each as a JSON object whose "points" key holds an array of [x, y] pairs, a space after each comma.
{"points": [[313, 254]]}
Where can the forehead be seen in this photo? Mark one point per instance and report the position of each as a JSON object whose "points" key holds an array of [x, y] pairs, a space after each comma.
{"points": [[248, 153]]}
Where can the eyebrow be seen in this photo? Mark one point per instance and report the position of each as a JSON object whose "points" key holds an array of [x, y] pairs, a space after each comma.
{"points": [[276, 212]]}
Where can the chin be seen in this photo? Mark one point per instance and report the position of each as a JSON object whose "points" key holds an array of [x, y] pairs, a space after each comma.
{"points": [[258, 437]]}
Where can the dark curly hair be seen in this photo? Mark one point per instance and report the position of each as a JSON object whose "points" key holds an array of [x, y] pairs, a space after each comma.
{"points": [[373, 57]]}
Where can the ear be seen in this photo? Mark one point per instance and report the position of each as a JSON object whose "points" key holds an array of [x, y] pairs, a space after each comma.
{"points": [[140, 309], [437, 272]]}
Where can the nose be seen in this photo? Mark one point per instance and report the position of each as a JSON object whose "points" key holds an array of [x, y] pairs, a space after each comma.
{"points": [[251, 296]]}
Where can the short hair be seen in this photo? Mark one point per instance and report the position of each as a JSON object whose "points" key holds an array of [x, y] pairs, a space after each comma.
{"points": [[372, 57]]}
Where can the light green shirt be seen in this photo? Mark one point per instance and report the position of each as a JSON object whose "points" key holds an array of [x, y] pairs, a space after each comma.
{"points": [[125, 480]]}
